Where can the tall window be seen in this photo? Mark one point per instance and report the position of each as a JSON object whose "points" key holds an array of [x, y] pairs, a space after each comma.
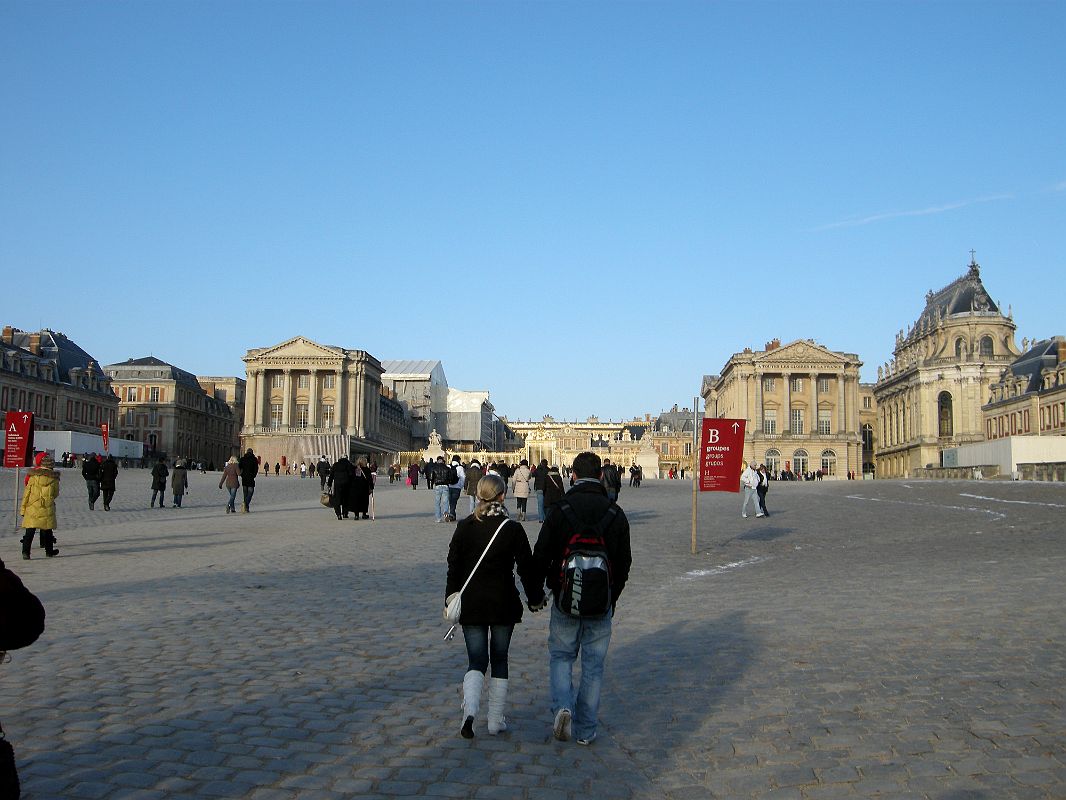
{"points": [[769, 421], [800, 462], [304, 380], [823, 385], [867, 437], [768, 384], [829, 462], [327, 415], [153, 417], [825, 422], [867, 402], [773, 461], [797, 420], [131, 394], [153, 394], [275, 416], [797, 384], [986, 346], [277, 381], [329, 380], [129, 418], [960, 348], [944, 416], [301, 415]]}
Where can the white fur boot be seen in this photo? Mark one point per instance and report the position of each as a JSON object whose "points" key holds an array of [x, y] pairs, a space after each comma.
{"points": [[473, 681], [497, 702]]}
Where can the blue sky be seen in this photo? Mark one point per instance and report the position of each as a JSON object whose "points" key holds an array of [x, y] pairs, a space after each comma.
{"points": [[580, 207]]}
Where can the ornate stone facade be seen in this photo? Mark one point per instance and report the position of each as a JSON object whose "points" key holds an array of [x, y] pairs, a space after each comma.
{"points": [[1030, 397], [929, 396], [305, 399], [49, 375], [801, 406], [165, 408]]}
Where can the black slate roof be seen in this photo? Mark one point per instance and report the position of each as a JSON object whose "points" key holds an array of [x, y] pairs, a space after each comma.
{"points": [[963, 295], [1029, 364], [177, 373]]}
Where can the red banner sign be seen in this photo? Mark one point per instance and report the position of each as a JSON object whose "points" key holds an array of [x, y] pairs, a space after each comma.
{"points": [[105, 431], [721, 454], [18, 438]]}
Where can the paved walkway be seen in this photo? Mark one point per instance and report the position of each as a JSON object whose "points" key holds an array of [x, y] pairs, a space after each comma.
{"points": [[869, 639]]}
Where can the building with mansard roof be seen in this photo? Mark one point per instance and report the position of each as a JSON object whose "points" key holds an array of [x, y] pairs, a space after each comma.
{"points": [[48, 374], [929, 397], [800, 403], [1030, 396], [166, 409]]}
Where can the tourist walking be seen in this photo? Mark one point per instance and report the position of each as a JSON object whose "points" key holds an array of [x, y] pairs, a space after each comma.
{"points": [[362, 488], [340, 480], [540, 475], [553, 489], [491, 606], [38, 507], [749, 481], [586, 507], [231, 481], [455, 487], [611, 480], [249, 467], [762, 488], [473, 475], [90, 471], [159, 480], [437, 475], [412, 475], [179, 481], [322, 468], [520, 485], [108, 480]]}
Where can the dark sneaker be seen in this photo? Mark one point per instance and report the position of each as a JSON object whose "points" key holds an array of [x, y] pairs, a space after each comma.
{"points": [[561, 729], [467, 731]]}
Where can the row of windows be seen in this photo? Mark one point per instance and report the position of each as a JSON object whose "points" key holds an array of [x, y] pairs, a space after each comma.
{"points": [[800, 462], [78, 412], [797, 420], [1052, 417], [796, 385], [984, 348], [303, 380], [326, 416]]}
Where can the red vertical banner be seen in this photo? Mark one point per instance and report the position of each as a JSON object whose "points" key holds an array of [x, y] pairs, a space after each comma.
{"points": [[105, 432], [721, 454], [18, 438]]}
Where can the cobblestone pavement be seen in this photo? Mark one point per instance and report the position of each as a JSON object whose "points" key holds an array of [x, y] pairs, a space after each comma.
{"points": [[869, 639]]}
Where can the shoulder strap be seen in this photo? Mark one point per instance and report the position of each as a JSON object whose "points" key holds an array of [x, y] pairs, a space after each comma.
{"points": [[484, 553]]}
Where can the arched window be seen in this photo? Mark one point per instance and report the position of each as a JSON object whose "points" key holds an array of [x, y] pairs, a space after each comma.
{"points": [[773, 461], [829, 462], [986, 346], [960, 348], [944, 415], [799, 462]]}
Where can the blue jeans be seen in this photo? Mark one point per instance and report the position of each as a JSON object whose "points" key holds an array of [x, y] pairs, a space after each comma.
{"points": [[232, 498], [480, 649], [441, 501], [248, 492], [453, 498], [566, 637], [540, 504]]}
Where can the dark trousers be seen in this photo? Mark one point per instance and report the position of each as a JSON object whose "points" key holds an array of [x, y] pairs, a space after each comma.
{"points": [[342, 502], [93, 487], [48, 540], [453, 498], [108, 495], [481, 650], [248, 492], [762, 499]]}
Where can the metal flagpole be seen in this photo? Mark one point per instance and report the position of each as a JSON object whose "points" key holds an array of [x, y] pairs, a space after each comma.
{"points": [[695, 470]]}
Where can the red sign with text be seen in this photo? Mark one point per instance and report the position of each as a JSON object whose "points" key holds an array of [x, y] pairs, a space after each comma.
{"points": [[18, 438], [721, 454], [105, 432]]}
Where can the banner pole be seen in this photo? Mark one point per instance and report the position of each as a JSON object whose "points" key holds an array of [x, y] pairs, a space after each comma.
{"points": [[16, 508], [695, 470]]}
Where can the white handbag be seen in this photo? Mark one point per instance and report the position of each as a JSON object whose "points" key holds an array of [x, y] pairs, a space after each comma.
{"points": [[453, 605]]}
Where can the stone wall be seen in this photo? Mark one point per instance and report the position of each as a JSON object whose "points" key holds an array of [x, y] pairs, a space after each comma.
{"points": [[986, 472], [1055, 471]]}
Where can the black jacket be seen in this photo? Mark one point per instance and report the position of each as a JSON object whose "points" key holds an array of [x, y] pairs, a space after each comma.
{"points": [[540, 474], [159, 476], [249, 468], [590, 503], [108, 473], [554, 488], [90, 469], [492, 597], [342, 474]]}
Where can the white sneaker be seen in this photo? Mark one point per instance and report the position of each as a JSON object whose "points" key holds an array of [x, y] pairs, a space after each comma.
{"points": [[561, 729], [760, 515], [744, 515]]}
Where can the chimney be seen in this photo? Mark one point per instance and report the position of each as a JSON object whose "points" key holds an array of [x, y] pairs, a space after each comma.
{"points": [[9, 335], [773, 344], [35, 343]]}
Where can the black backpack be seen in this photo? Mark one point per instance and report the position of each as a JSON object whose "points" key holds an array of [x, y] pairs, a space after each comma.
{"points": [[585, 571]]}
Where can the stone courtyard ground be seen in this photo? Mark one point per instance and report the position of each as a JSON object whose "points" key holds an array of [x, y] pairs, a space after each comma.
{"points": [[869, 639]]}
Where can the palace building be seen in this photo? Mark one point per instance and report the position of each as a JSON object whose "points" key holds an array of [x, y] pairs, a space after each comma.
{"points": [[930, 396], [801, 406], [1029, 399]]}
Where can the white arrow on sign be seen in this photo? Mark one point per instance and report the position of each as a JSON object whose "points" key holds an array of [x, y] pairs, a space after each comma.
{"points": [[25, 418], [735, 426]]}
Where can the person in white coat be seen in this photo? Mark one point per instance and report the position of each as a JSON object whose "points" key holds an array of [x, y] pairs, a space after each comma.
{"points": [[749, 481]]}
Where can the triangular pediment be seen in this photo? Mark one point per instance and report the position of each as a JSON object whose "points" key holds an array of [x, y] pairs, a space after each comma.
{"points": [[800, 351], [296, 347]]}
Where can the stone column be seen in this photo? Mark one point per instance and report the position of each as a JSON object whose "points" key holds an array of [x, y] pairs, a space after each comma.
{"points": [[757, 427], [286, 400], [813, 422], [360, 402], [250, 393], [842, 412], [351, 400], [340, 405], [786, 427], [260, 417], [312, 400]]}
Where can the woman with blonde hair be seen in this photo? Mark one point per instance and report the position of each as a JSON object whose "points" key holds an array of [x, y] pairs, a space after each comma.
{"points": [[491, 606], [231, 479]]}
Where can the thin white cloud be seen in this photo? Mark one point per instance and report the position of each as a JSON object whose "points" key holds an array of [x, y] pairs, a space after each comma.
{"points": [[920, 212], [1059, 187]]}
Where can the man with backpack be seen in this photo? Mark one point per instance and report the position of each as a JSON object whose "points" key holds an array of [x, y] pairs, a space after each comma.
{"points": [[438, 477], [583, 552]]}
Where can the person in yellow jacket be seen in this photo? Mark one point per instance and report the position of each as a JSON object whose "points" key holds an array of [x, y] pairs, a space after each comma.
{"points": [[39, 507]]}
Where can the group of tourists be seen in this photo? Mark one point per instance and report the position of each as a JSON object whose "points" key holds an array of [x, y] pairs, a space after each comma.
{"points": [[351, 487], [754, 482], [582, 556]]}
